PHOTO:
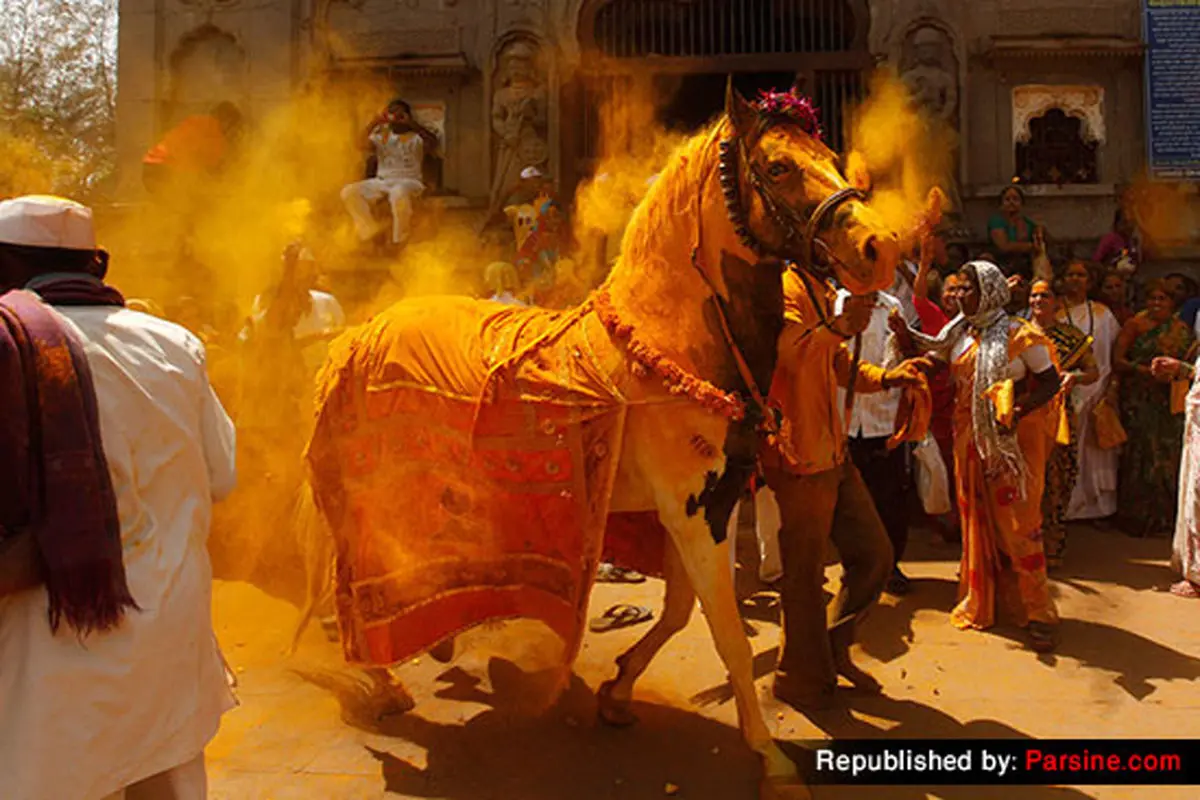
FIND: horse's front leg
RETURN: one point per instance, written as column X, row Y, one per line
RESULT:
column 707, row 566
column 678, row 600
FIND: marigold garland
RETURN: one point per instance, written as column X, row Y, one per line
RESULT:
column 648, row 359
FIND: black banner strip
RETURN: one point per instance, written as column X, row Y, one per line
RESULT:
column 1020, row 762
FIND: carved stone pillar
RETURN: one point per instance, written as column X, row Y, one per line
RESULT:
column 519, row 114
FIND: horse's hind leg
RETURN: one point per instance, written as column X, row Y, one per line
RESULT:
column 678, row 601
column 707, row 566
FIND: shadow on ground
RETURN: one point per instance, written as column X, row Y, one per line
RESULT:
column 1136, row 659
column 503, row 753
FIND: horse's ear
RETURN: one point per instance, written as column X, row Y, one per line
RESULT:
column 740, row 112
column 856, row 171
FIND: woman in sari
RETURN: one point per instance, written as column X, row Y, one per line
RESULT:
column 1114, row 292
column 1150, row 460
column 1073, row 348
column 1004, row 423
column 1185, row 550
column 1095, row 494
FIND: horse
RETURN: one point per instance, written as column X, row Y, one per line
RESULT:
column 517, row 434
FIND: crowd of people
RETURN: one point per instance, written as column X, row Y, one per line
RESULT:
column 1043, row 394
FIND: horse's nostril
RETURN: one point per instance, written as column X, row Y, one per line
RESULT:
column 869, row 250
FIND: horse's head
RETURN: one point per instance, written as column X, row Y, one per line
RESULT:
column 789, row 199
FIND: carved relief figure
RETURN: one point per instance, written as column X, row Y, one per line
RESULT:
column 931, row 72
column 930, row 69
column 519, row 116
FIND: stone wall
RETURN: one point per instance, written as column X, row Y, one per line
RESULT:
column 1071, row 49
column 496, row 68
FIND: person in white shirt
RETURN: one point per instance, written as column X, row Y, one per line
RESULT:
column 400, row 145
column 314, row 317
column 872, row 421
column 124, row 708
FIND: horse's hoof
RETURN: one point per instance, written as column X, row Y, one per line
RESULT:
column 611, row 711
column 392, row 706
column 787, row 788
column 390, row 700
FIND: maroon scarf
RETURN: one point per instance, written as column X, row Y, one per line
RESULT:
column 54, row 478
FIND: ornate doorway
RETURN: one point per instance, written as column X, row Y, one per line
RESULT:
column 680, row 52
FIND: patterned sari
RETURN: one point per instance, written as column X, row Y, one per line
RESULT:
column 1074, row 350
column 1149, row 475
column 1004, row 564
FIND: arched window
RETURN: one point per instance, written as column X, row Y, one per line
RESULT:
column 207, row 67
column 1057, row 151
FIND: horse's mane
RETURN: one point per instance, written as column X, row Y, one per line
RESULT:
column 672, row 196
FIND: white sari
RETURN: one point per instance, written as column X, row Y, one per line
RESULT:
column 1185, row 552
column 1095, row 494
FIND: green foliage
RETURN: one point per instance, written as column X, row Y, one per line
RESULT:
column 58, row 96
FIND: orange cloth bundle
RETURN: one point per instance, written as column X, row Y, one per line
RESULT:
column 1002, row 395
column 913, row 416
column 1063, row 434
column 1179, row 393
column 1110, row 432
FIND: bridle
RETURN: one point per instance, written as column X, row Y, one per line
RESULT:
column 801, row 236
column 797, row 231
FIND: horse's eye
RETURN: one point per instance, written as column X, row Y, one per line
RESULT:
column 778, row 169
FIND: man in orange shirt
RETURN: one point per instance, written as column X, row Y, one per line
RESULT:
column 820, row 492
column 191, row 154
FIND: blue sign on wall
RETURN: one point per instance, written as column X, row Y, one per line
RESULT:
column 1172, row 34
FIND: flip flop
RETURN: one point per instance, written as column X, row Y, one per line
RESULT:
column 621, row 615
column 1185, row 589
column 610, row 573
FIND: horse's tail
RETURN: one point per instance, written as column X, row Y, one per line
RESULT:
column 316, row 545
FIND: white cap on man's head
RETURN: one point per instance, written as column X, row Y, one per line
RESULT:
column 46, row 221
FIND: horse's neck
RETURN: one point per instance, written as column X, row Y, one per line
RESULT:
column 659, row 289
column 669, row 298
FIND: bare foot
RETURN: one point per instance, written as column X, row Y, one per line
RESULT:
column 1185, row 588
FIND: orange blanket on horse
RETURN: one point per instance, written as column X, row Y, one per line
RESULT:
column 464, row 457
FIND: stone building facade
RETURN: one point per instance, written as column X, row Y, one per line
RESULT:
column 1050, row 91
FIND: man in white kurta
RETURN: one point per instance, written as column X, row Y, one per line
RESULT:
column 399, row 144
column 85, row 720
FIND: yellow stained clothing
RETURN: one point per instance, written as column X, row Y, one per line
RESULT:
column 1002, row 532
column 811, row 356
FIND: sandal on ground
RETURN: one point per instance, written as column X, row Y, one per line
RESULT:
column 1043, row 637
column 1185, row 588
column 621, row 615
column 610, row 573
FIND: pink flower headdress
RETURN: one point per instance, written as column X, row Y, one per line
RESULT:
column 792, row 107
